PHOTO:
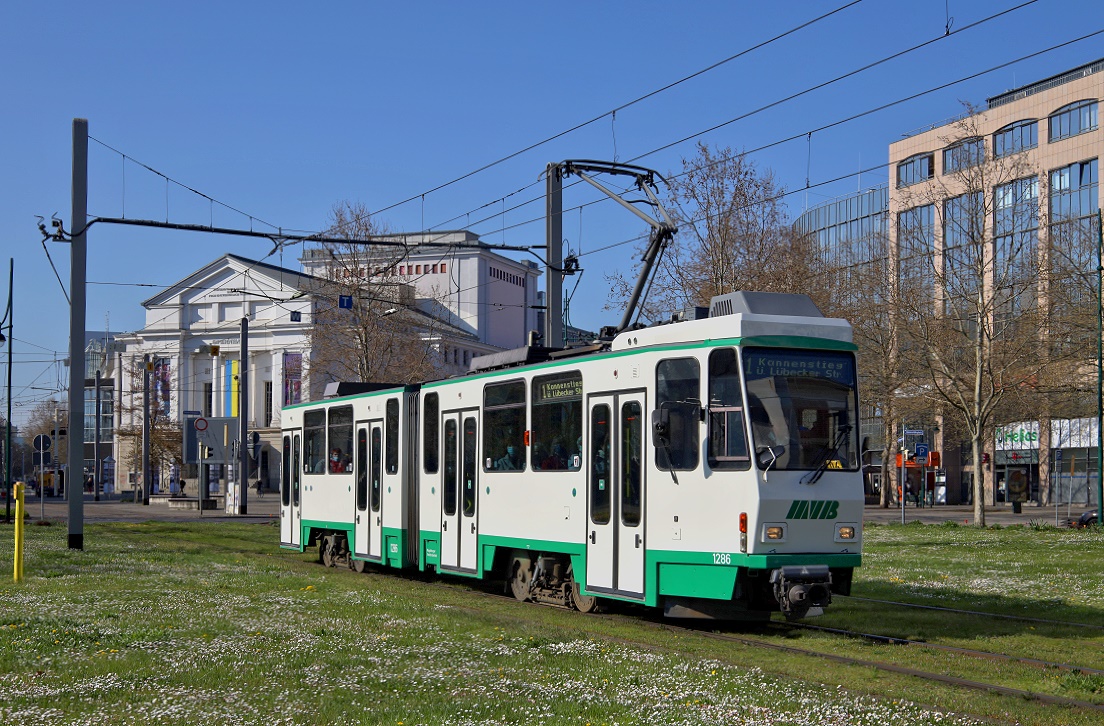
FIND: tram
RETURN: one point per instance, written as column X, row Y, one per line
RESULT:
column 708, row 466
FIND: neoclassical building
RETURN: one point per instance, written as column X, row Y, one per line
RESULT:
column 191, row 341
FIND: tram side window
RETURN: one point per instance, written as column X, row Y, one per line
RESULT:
column 431, row 427
column 295, row 472
column 728, row 448
column 678, row 391
column 362, row 470
column 376, row 487
column 392, row 443
column 557, row 415
column 468, row 498
column 285, row 480
column 504, row 426
column 600, row 483
column 341, row 440
column 452, row 471
column 314, row 436
column 630, row 452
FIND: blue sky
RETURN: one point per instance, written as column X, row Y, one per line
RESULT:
column 283, row 109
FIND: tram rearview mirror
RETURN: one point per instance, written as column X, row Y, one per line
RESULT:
column 661, row 426
column 678, row 414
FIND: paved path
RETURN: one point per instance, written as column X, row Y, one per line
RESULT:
column 1001, row 514
column 268, row 508
column 112, row 510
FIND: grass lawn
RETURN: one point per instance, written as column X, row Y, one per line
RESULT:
column 211, row 623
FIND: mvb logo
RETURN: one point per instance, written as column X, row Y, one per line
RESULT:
column 813, row 509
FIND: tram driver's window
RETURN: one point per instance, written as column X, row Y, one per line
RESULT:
column 728, row 448
column 678, row 391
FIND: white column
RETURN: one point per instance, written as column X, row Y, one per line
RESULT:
column 277, row 386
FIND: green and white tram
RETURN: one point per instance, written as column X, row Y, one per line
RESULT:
column 709, row 467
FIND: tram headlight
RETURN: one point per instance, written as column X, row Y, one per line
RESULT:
column 743, row 531
column 774, row 532
column 845, row 532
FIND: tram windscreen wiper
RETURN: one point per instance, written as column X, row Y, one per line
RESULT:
column 827, row 455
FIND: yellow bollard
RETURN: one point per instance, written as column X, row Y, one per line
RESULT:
column 19, row 531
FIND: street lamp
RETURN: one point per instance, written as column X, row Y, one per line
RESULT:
column 8, row 316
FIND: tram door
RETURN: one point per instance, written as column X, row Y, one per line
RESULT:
column 367, row 534
column 459, row 489
column 290, row 514
column 615, row 494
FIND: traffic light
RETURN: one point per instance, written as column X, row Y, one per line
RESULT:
column 205, row 451
column 985, row 458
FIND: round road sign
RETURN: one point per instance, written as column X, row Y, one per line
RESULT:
column 200, row 424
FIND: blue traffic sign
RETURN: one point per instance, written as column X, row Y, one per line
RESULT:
column 345, row 301
column 922, row 451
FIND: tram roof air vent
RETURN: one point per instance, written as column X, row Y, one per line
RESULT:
column 764, row 303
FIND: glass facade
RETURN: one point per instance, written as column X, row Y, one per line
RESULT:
column 107, row 411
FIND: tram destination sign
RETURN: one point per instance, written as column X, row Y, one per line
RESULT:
column 798, row 364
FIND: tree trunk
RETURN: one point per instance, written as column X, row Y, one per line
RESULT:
column 979, row 482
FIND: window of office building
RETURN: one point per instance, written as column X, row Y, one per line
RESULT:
column 1016, row 137
column 964, row 246
column 1016, row 233
column 1073, row 191
column 1071, row 120
column 915, row 243
column 1073, row 204
column 915, row 169
column 963, row 155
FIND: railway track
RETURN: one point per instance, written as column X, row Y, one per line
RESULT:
column 1001, row 616
column 965, row 683
column 980, row 654
column 772, row 644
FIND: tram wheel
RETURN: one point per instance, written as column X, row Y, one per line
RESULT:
column 520, row 575
column 358, row 565
column 583, row 603
column 329, row 551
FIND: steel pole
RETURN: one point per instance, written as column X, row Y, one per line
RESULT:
column 553, row 275
column 96, row 471
column 1099, row 369
column 146, row 365
column 243, row 420
column 78, row 255
column 901, row 489
column 7, row 435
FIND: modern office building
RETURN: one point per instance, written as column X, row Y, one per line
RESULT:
column 1022, row 172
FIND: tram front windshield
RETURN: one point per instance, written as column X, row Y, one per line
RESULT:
column 802, row 408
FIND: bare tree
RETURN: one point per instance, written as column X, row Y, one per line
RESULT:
column 384, row 337
column 166, row 440
column 733, row 235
